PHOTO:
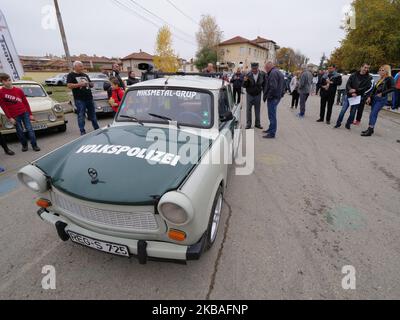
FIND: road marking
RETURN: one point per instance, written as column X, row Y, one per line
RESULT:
column 28, row 266
column 7, row 185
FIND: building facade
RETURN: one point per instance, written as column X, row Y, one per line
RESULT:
column 131, row 62
column 241, row 52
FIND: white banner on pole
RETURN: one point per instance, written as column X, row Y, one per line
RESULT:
column 9, row 59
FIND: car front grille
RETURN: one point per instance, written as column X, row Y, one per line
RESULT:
column 140, row 221
column 41, row 116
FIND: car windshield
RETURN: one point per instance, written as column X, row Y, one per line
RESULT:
column 97, row 75
column 32, row 91
column 187, row 107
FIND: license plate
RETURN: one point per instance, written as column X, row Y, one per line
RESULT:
column 39, row 126
column 99, row 245
column 107, row 109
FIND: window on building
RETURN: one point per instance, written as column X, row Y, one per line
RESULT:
column 242, row 51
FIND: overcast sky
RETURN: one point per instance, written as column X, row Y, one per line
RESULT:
column 103, row 27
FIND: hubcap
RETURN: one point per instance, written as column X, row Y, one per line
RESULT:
column 216, row 218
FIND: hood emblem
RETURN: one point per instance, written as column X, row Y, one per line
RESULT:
column 94, row 175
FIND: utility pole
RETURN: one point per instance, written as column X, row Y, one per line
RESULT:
column 63, row 36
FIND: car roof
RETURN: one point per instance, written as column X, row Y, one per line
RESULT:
column 194, row 82
column 99, row 79
column 25, row 82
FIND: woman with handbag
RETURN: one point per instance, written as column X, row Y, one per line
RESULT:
column 379, row 97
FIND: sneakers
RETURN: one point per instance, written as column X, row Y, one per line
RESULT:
column 356, row 123
column 328, row 122
column 348, row 126
column 301, row 116
column 36, row 148
column 24, row 148
column 337, row 126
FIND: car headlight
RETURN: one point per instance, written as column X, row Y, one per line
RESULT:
column 98, row 107
column 176, row 208
column 33, row 178
column 58, row 108
column 52, row 118
column 8, row 125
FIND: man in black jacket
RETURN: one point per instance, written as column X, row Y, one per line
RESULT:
column 359, row 84
column 237, row 83
column 329, row 86
column 274, row 90
column 254, row 84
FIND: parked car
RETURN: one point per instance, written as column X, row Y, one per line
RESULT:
column 132, row 189
column 47, row 112
column 97, row 75
column 100, row 97
column 58, row 80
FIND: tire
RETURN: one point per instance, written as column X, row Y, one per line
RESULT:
column 62, row 128
column 215, row 220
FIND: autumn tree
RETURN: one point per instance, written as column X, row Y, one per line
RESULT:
column 165, row 59
column 208, row 38
column 290, row 60
column 373, row 37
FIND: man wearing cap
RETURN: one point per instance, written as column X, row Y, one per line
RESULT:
column 254, row 84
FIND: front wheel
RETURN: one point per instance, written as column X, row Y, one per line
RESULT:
column 215, row 219
column 62, row 128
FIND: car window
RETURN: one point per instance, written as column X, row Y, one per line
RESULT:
column 223, row 102
column 189, row 107
column 98, row 85
column 32, row 91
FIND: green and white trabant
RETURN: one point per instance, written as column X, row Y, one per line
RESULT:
column 151, row 184
column 47, row 112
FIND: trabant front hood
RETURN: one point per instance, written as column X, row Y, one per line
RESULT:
column 112, row 165
column 39, row 104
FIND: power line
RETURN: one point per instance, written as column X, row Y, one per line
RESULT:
column 126, row 7
column 161, row 19
column 183, row 13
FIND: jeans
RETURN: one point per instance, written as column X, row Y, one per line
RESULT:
column 377, row 105
column 396, row 95
column 303, row 100
column 272, row 105
column 82, row 107
column 256, row 102
column 21, row 122
column 345, row 107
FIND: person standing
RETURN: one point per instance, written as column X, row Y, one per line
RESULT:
column 237, row 84
column 81, row 85
column 329, row 86
column 131, row 79
column 18, row 111
column 397, row 91
column 379, row 97
column 305, row 85
column 342, row 89
column 209, row 69
column 5, row 147
column 358, row 84
column 254, row 84
column 320, row 76
column 116, row 95
column 116, row 69
column 294, row 89
column 274, row 90
column 314, row 84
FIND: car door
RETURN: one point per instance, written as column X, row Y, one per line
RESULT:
column 227, row 128
column 236, row 125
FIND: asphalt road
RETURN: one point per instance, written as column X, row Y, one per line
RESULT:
column 319, row 199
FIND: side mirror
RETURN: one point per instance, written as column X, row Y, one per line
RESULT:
column 49, row 93
column 227, row 116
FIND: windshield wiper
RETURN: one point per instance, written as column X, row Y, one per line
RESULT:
column 170, row 121
column 133, row 119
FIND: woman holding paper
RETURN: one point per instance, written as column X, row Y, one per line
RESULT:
column 379, row 97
